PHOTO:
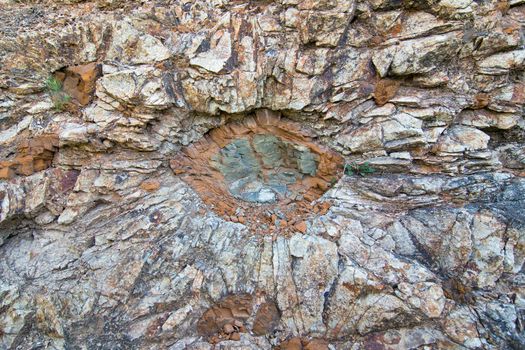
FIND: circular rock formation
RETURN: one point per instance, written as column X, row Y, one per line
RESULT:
column 103, row 246
column 262, row 159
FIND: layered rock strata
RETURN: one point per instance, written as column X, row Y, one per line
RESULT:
column 171, row 174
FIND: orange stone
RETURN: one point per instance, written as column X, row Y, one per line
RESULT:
column 24, row 165
column 316, row 344
column 235, row 336
column 79, row 82
column 150, row 185
column 41, row 164
column 292, row 344
column 301, row 227
column 6, row 173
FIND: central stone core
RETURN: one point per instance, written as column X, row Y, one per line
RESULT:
column 262, row 169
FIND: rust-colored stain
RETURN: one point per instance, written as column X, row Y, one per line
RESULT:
column 33, row 155
column 233, row 310
column 79, row 81
column 385, row 90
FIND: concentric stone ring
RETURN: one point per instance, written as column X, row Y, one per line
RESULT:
column 262, row 159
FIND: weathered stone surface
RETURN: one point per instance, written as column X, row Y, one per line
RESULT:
column 266, row 319
column 385, row 90
column 130, row 46
column 231, row 311
column 324, row 22
column 461, row 138
column 419, row 56
column 502, row 62
column 487, row 119
column 215, row 59
column 366, row 138
column 131, row 87
column 79, row 82
column 33, row 155
column 191, row 193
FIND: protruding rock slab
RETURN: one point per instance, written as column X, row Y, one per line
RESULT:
column 79, row 81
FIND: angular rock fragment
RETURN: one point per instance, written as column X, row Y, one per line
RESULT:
column 79, row 81
column 462, row 138
column 502, row 63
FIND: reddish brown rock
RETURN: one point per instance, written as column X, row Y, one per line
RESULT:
column 235, row 336
column 24, row 165
column 6, row 172
column 225, row 313
column 503, row 6
column 150, row 185
column 385, row 90
column 301, row 227
column 228, row 328
column 267, row 319
column 79, row 82
column 316, row 344
column 456, row 290
column 33, row 155
column 292, row 344
column 481, row 101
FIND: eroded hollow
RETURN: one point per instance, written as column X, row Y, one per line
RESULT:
column 260, row 166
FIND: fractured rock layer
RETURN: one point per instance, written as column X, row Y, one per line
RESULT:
column 139, row 162
column 33, row 155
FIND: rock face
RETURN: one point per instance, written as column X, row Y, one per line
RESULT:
column 260, row 160
column 172, row 174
